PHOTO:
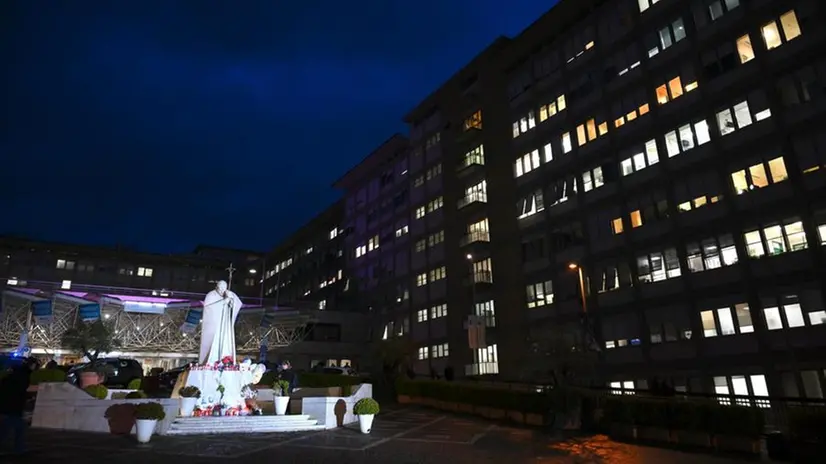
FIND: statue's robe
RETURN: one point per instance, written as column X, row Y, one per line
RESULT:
column 218, row 327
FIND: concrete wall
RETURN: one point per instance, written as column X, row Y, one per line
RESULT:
column 61, row 406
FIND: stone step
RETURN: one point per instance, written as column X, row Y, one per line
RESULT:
column 244, row 419
column 242, row 424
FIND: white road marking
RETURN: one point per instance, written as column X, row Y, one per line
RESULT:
column 400, row 434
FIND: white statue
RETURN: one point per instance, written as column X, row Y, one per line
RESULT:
column 221, row 307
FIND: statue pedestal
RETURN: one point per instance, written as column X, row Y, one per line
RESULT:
column 207, row 380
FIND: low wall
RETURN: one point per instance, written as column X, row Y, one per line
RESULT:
column 482, row 411
column 335, row 411
column 61, row 406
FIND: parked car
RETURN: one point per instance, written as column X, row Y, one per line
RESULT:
column 117, row 372
column 168, row 378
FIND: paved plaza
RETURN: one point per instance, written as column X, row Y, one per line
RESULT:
column 399, row 436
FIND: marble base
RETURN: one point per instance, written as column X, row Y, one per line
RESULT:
column 332, row 411
column 208, row 381
column 246, row 424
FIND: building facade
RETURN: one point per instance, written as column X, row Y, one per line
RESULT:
column 31, row 263
column 639, row 179
column 308, row 271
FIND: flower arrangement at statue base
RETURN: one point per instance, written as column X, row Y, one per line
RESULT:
column 225, row 364
column 218, row 411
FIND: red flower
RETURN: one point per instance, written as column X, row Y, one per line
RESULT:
column 226, row 360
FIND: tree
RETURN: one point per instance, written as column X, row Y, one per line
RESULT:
column 91, row 339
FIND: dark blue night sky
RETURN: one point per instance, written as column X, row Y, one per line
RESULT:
column 164, row 124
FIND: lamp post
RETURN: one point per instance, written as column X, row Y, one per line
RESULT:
column 578, row 268
column 469, row 258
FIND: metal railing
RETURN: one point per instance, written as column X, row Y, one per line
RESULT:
column 475, row 236
column 481, row 197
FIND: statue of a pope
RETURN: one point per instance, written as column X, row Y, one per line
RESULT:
column 221, row 307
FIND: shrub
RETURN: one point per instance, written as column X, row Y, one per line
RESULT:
column 366, row 406
column 47, row 375
column 134, row 384
column 523, row 401
column 149, row 411
column 97, row 391
column 136, row 395
column 808, row 424
column 190, row 391
column 312, row 380
column 736, row 421
column 281, row 388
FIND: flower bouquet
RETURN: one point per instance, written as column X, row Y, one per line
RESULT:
column 250, row 394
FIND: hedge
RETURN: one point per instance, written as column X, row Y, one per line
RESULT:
column 677, row 414
column 512, row 400
column 312, row 380
column 47, row 375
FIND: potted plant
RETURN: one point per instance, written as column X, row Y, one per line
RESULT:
column 90, row 339
column 121, row 418
column 281, row 396
column 97, row 391
column 147, row 416
column 136, row 395
column 134, row 384
column 189, row 397
column 366, row 409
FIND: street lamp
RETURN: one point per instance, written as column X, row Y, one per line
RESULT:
column 578, row 268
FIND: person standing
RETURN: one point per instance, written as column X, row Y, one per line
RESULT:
column 288, row 374
column 13, row 392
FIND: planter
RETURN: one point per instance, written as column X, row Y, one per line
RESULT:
column 623, row 432
column 692, row 438
column 89, row 378
column 281, row 404
column 366, row 422
column 145, row 429
column 655, row 434
column 187, row 406
column 404, row 399
column 747, row 445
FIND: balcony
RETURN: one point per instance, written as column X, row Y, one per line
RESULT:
column 471, row 162
column 475, row 197
column 480, row 277
column 475, row 236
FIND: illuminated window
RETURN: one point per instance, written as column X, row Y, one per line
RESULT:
column 530, row 205
column 551, row 109
column 474, row 121
column 420, row 245
column 420, row 212
column 666, row 37
column 64, row 264
column 540, row 294
column 776, row 239
column 616, row 226
column 435, row 204
column 421, row 280
column 566, row 142
column 590, row 131
column 686, row 138
column 649, row 156
column 658, row 266
column 592, row 179
column 435, row 239
column 646, row 4
column 739, row 116
column 711, row 253
column 437, row 274
column 524, row 124
column 759, row 176
column 438, row 311
column 373, row 243
column 421, row 315
column 145, row 272
column 527, row 163
column 790, row 28
column 744, row 49
column 636, row 219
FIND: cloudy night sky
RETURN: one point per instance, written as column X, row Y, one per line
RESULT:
column 164, row 124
